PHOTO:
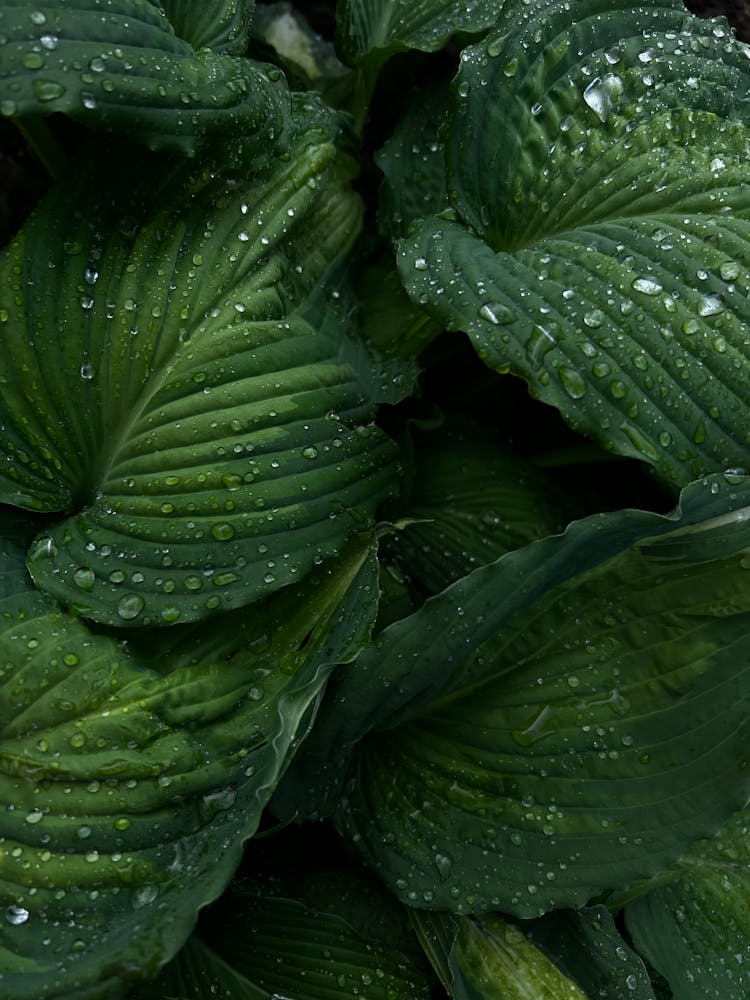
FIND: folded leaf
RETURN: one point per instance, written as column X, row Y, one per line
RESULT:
column 565, row 720
column 176, row 371
column 264, row 940
column 381, row 27
column 133, row 782
column 695, row 927
column 602, row 248
column 119, row 66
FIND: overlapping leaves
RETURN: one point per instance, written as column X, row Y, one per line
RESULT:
column 120, row 66
column 602, row 248
column 694, row 927
column 560, row 722
column 177, row 375
column 133, row 778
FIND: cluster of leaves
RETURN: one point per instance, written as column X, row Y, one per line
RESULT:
column 308, row 611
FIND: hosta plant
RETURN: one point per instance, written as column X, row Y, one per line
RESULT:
column 333, row 662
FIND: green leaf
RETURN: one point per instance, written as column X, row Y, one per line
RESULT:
column 413, row 161
column 493, row 960
column 179, row 378
column 380, row 27
column 565, row 720
column 587, row 946
column 263, row 939
column 471, row 502
column 120, row 66
column 695, row 927
column 602, row 244
column 133, row 782
column 223, row 26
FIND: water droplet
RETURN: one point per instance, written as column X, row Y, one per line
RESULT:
column 595, row 318
column 710, row 305
column 443, row 864
column 130, row 606
column 86, row 371
column 647, row 286
column 222, row 532
column 729, row 270
column 7, row 108
column 310, row 452
column 602, row 94
column 37, row 17
column 420, row 264
column 573, row 382
column 48, row 90
column 496, row 313
column 35, row 816
column 32, row 60
column 511, row 67
column 16, row 915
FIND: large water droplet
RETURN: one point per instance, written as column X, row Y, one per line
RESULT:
column 495, row 313
column 647, row 286
column 573, row 382
column 602, row 94
column 130, row 606
column 16, row 915
column 710, row 305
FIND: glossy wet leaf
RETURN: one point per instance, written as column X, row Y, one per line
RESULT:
column 380, row 27
column 133, row 781
column 223, row 26
column 120, row 66
column 179, row 381
column 565, row 720
column 695, row 927
column 601, row 246
column 315, row 941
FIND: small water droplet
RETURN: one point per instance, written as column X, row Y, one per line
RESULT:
column 86, row 371
column 16, row 915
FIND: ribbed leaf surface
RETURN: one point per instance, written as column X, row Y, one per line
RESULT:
column 132, row 781
column 368, row 26
column 174, row 370
column 261, row 941
column 695, row 928
column 564, row 720
column 602, row 248
column 223, row 26
column 118, row 65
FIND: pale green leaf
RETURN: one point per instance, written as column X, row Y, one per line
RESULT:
column 120, row 66
column 133, row 782
column 601, row 248
column 178, row 377
column 695, row 927
column 561, row 722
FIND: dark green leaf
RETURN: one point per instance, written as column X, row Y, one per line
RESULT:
column 132, row 784
column 587, row 946
column 222, row 25
column 565, row 720
column 598, row 172
column 119, row 66
column 177, row 373
column 413, row 161
column 471, row 502
column 695, row 928
column 380, row 27
column 320, row 942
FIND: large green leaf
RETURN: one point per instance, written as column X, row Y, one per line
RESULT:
column 326, row 940
column 601, row 241
column 695, row 927
column 132, row 782
column 565, row 720
column 379, row 27
column 119, row 66
column 178, row 377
